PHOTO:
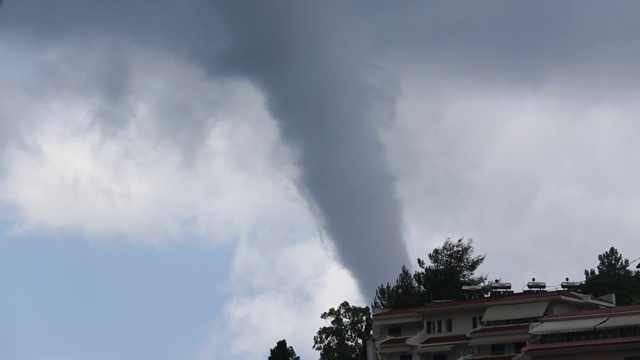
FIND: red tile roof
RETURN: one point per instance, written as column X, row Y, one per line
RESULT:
column 483, row 330
column 394, row 340
column 395, row 312
column 581, row 344
column 611, row 310
column 496, row 299
column 445, row 339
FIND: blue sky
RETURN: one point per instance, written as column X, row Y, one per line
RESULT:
column 66, row 298
column 199, row 179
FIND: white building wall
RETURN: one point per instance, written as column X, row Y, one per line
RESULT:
column 381, row 332
column 461, row 322
column 559, row 308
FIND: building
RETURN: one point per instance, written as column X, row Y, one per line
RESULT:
column 609, row 333
column 495, row 327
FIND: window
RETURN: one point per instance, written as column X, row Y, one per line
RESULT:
column 429, row 326
column 439, row 326
column 519, row 345
column 394, row 331
column 474, row 322
column 497, row 349
column 449, row 325
column 405, row 357
column 440, row 357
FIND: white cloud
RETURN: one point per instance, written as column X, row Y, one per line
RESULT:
column 542, row 179
column 77, row 173
column 172, row 156
column 181, row 158
column 278, row 291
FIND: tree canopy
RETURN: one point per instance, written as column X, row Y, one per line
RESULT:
column 450, row 267
column 283, row 352
column 611, row 263
column 613, row 276
column 347, row 334
column 404, row 294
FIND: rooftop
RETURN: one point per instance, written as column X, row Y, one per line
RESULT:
column 492, row 329
column 582, row 344
column 395, row 340
column 445, row 339
column 484, row 300
column 602, row 311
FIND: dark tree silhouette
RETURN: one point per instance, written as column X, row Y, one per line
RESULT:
column 283, row 352
column 613, row 276
column 347, row 334
column 450, row 267
column 404, row 294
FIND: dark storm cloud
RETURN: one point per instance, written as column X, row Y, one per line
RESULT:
column 177, row 26
column 312, row 62
column 519, row 41
column 300, row 57
column 92, row 47
column 307, row 61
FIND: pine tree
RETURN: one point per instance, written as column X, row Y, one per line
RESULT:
column 613, row 276
column 450, row 267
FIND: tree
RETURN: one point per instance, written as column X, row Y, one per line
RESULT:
column 450, row 267
column 612, row 263
column 347, row 334
column 613, row 276
column 404, row 294
column 283, row 352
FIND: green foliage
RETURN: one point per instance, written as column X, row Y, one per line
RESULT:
column 404, row 294
column 613, row 276
column 611, row 263
column 283, row 352
column 347, row 334
column 450, row 267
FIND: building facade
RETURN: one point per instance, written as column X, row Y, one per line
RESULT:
column 610, row 333
column 495, row 327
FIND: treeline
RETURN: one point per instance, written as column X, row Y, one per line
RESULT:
column 449, row 268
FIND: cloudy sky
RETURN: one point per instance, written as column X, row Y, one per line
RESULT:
column 198, row 179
